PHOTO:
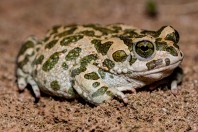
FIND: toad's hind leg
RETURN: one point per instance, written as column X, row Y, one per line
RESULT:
column 35, row 87
column 90, row 86
column 24, row 65
column 23, row 79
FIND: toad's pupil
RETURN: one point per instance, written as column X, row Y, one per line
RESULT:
column 144, row 48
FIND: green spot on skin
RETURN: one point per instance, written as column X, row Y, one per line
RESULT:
column 87, row 59
column 151, row 65
column 101, row 73
column 64, row 66
column 39, row 60
column 160, row 31
column 96, row 84
column 67, row 32
column 54, row 85
column 46, row 39
column 51, row 62
column 96, row 41
column 108, row 63
column 55, row 29
column 109, row 93
column 102, row 48
column 158, row 39
column 132, row 60
column 71, row 92
column 92, row 76
column 158, row 62
column 97, row 44
column 95, row 64
column 161, row 45
column 146, row 32
column 154, row 63
column 51, row 44
column 23, row 62
column 172, row 50
column 174, row 36
column 167, row 61
column 35, row 72
column 116, row 28
column 73, row 54
column 175, row 45
column 119, row 56
column 127, row 41
column 88, row 33
column 100, row 92
column 111, row 76
column 37, row 49
column 103, row 30
column 70, row 39
column 63, row 51
column 25, row 46
column 77, row 71
column 130, row 33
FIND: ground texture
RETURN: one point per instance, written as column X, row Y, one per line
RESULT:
column 158, row 110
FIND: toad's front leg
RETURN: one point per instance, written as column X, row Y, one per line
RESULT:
column 90, row 86
column 171, row 81
column 176, row 78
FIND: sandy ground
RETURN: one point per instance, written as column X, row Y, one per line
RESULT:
column 158, row 110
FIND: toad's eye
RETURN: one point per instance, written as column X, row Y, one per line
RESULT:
column 144, row 49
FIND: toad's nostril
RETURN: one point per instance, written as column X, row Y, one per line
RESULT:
column 181, row 53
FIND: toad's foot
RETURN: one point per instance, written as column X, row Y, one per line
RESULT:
column 177, row 78
column 24, row 79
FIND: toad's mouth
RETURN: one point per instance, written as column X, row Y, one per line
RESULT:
column 159, row 69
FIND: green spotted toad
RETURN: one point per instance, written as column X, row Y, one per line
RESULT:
column 99, row 62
